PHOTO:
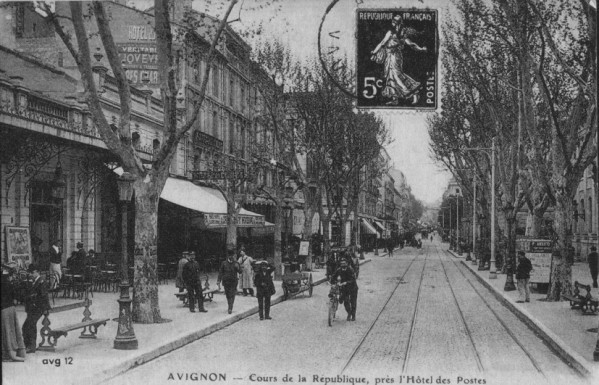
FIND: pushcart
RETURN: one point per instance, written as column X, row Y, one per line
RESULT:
column 295, row 283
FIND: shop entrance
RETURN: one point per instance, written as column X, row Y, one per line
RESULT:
column 46, row 221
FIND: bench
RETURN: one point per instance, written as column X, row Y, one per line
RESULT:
column 207, row 293
column 586, row 303
column 90, row 327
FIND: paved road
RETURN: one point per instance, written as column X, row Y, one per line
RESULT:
column 420, row 314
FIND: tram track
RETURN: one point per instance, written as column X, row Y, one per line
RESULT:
column 466, row 324
column 376, row 319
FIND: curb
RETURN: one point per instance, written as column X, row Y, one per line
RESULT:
column 573, row 359
column 107, row 374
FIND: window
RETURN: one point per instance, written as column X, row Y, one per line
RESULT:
column 215, row 80
column 590, row 216
column 231, row 136
column 242, row 142
column 231, row 91
column 215, row 124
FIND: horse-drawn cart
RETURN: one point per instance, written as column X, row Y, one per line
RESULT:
column 295, row 283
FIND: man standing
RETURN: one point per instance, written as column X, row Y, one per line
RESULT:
column 593, row 261
column 36, row 305
column 179, row 283
column 193, row 283
column 264, row 289
column 523, row 276
column 227, row 274
column 247, row 272
column 55, row 261
column 349, row 291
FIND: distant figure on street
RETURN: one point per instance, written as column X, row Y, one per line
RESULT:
column 247, row 272
column 523, row 276
column 36, row 305
column 227, row 274
column 193, row 284
column 390, row 248
column 593, row 261
column 13, row 346
column 179, row 282
column 349, row 291
column 55, row 263
column 265, row 288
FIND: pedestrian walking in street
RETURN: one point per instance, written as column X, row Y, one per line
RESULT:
column 36, row 305
column 193, row 284
column 179, row 282
column 331, row 264
column 13, row 346
column 593, row 262
column 247, row 272
column 227, row 274
column 390, row 248
column 349, row 290
column 523, row 276
column 265, row 288
column 55, row 264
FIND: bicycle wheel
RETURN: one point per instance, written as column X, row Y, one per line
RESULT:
column 332, row 310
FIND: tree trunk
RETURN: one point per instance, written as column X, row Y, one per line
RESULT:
column 307, row 233
column 145, row 284
column 278, row 258
column 562, row 258
column 509, row 260
column 231, row 223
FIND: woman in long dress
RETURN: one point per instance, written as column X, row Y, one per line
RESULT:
column 13, row 346
column 247, row 273
column 398, row 85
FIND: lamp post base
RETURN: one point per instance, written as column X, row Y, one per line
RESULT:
column 492, row 275
column 125, row 337
column 468, row 256
column 509, row 282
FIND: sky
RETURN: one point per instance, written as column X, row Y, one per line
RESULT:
column 295, row 23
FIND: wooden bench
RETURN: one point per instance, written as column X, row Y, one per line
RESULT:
column 586, row 303
column 207, row 293
column 89, row 326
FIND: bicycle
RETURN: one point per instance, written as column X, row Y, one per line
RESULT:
column 334, row 294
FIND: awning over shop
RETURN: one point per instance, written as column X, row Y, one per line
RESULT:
column 379, row 225
column 367, row 227
column 207, row 201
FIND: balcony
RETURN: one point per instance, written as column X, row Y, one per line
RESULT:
column 202, row 139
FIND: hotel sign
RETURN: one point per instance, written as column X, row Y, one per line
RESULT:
column 220, row 220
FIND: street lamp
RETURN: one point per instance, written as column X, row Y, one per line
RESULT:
column 491, row 153
column 125, row 337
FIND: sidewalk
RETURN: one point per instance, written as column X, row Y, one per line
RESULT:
column 564, row 329
column 85, row 361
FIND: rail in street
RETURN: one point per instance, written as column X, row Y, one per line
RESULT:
column 422, row 318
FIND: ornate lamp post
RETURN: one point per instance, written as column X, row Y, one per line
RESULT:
column 125, row 337
column 58, row 183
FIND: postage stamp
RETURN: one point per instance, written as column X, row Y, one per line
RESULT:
column 397, row 58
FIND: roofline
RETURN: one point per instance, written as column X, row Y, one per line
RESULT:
column 37, row 62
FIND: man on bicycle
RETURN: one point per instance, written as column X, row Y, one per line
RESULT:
column 349, row 288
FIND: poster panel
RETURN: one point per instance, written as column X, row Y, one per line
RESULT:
column 18, row 245
column 538, row 250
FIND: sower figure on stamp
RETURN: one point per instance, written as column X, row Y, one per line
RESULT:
column 265, row 288
column 36, row 305
column 349, row 291
column 193, row 283
column 389, row 52
column 227, row 274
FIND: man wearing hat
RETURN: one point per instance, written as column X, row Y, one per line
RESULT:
column 76, row 261
column 264, row 288
column 349, row 291
column 228, row 275
column 179, row 283
column 55, row 263
column 593, row 260
column 36, row 305
column 193, row 283
column 523, row 276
